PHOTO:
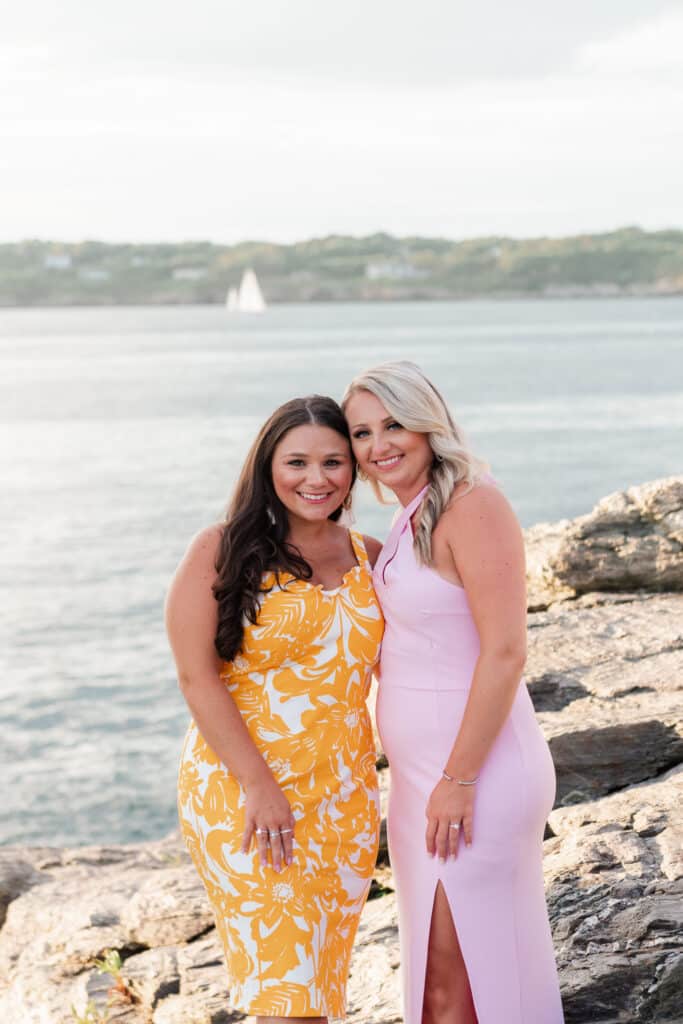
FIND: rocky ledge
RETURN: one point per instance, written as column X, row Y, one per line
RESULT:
column 605, row 673
column 632, row 540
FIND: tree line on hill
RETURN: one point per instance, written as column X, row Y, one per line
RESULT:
column 340, row 268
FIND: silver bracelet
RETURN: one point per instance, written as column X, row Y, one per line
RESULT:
column 460, row 782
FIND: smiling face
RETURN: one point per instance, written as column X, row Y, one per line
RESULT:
column 385, row 450
column 312, row 471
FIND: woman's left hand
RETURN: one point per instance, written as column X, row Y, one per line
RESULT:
column 448, row 806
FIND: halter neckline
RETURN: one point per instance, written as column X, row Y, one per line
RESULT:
column 390, row 548
column 412, row 505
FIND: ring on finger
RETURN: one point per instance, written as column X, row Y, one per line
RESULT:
column 283, row 830
column 455, row 825
column 276, row 833
column 261, row 832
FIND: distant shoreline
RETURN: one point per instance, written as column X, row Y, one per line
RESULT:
column 629, row 263
column 520, row 297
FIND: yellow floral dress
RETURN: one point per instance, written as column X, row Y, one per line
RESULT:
column 301, row 683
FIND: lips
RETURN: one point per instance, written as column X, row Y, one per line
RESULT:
column 315, row 499
column 389, row 462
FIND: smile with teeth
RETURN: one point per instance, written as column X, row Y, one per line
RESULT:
column 313, row 497
column 388, row 462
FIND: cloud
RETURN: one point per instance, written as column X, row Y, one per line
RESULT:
column 107, row 143
column 396, row 43
column 654, row 47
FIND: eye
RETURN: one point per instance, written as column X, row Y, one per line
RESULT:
column 358, row 434
column 394, row 426
column 295, row 462
column 333, row 462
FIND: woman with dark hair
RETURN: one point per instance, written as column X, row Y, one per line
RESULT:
column 472, row 779
column 275, row 628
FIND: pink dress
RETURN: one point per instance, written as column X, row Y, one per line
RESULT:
column 495, row 887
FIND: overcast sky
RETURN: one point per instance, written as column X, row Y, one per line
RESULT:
column 156, row 120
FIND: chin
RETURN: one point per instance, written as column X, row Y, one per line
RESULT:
column 395, row 477
column 311, row 512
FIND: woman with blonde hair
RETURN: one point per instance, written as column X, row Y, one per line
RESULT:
column 455, row 719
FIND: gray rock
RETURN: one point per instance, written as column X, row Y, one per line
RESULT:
column 165, row 910
column 154, row 975
column 202, row 996
column 77, row 908
column 632, row 540
column 614, row 877
column 605, row 646
column 598, row 748
column 374, row 994
column 606, row 677
column 16, row 878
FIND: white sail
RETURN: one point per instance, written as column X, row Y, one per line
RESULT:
column 232, row 301
column 250, row 295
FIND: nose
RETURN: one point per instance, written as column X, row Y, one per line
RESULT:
column 315, row 475
column 380, row 446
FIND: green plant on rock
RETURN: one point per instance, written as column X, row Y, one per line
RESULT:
column 122, row 990
column 110, row 963
column 90, row 1015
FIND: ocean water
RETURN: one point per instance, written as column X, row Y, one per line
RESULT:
column 122, row 434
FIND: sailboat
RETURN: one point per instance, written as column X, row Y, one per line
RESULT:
column 248, row 298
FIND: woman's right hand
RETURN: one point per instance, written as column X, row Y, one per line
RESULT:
column 269, row 818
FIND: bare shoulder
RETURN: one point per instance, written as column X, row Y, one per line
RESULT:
column 373, row 548
column 200, row 557
column 483, row 507
column 486, row 543
column 191, row 611
column 205, row 543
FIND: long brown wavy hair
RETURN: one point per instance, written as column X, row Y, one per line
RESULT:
column 256, row 523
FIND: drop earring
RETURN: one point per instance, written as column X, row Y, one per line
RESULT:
column 347, row 514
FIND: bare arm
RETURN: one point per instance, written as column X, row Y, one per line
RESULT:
column 488, row 551
column 191, row 619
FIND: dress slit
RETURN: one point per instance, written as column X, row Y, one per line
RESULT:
column 419, row 955
column 420, row 997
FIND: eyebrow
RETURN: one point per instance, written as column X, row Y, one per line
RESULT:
column 387, row 419
column 305, row 455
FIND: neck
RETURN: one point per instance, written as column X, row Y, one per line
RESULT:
column 406, row 494
column 304, row 534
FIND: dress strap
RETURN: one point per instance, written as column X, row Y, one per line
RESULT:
column 411, row 506
column 358, row 545
column 388, row 552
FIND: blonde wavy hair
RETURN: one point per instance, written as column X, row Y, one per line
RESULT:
column 417, row 405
